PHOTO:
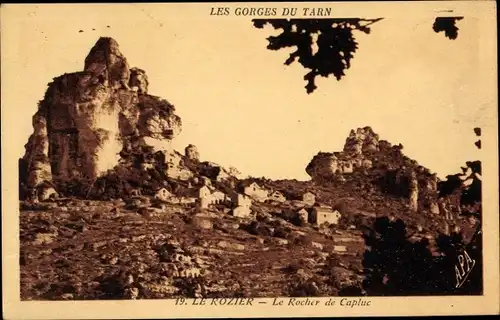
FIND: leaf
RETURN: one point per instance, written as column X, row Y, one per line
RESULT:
column 447, row 24
column 478, row 144
column 333, row 37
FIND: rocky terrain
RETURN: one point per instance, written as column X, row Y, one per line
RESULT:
column 108, row 210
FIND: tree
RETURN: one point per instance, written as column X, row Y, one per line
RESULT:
column 334, row 39
column 448, row 25
column 394, row 265
column 470, row 188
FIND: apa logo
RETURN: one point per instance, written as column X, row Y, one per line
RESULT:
column 463, row 268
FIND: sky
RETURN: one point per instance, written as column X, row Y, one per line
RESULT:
column 242, row 107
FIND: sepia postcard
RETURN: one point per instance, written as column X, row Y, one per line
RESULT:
column 215, row 160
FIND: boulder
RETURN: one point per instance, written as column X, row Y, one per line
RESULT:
column 163, row 195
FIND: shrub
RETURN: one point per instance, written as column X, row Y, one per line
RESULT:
column 341, row 206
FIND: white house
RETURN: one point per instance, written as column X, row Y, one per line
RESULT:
column 208, row 195
column 321, row 215
column 241, row 200
column 277, row 196
column 242, row 212
column 256, row 192
column 204, row 192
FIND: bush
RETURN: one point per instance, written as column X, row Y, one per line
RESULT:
column 341, row 206
column 301, row 240
column 258, row 229
column 396, row 266
column 281, row 232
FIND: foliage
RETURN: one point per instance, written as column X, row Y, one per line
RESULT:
column 471, row 195
column 333, row 37
column 448, row 25
column 341, row 206
column 396, row 266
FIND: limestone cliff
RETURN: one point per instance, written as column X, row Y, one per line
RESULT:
column 88, row 118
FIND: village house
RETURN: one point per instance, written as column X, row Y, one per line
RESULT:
column 242, row 204
column 241, row 200
column 204, row 203
column 208, row 195
column 255, row 192
column 204, row 197
column 242, row 212
column 277, row 196
column 309, row 198
column 218, row 197
column 322, row 214
column 204, row 192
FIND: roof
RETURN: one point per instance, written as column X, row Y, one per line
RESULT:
column 250, row 184
column 205, row 187
column 245, row 183
column 325, row 209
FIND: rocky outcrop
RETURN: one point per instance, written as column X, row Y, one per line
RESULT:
column 88, row 118
column 357, row 152
column 377, row 159
column 38, row 162
column 138, row 80
column 413, row 191
column 361, row 141
column 191, row 152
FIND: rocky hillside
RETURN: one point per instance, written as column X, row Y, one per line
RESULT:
column 110, row 211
